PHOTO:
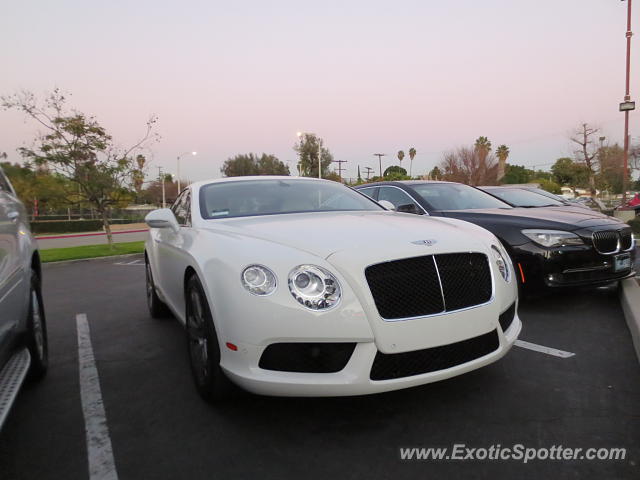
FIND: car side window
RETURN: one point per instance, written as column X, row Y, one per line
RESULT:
column 4, row 184
column 369, row 192
column 181, row 209
column 399, row 198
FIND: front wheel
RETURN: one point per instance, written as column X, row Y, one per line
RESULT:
column 36, row 340
column 203, row 346
column 157, row 308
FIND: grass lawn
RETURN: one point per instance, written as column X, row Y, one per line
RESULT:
column 90, row 251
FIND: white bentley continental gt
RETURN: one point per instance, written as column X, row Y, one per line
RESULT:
column 304, row 287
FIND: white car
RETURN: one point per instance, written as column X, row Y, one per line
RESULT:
column 304, row 287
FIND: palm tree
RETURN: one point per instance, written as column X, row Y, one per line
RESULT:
column 482, row 148
column 483, row 144
column 400, row 156
column 412, row 154
column 502, row 152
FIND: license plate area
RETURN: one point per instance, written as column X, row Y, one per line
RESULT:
column 622, row 262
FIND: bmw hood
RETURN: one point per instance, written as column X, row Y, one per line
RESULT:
column 542, row 217
column 387, row 234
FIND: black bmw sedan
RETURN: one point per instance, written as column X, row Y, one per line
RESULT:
column 549, row 247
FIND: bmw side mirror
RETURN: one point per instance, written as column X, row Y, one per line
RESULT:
column 387, row 205
column 409, row 208
column 162, row 218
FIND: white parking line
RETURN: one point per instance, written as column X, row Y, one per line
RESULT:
column 542, row 349
column 135, row 262
column 102, row 465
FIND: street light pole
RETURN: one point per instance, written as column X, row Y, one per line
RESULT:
column 319, row 157
column 380, row 155
column 627, row 106
column 178, row 169
column 161, row 178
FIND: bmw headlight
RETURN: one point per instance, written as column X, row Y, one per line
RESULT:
column 258, row 279
column 553, row 238
column 314, row 287
column 502, row 262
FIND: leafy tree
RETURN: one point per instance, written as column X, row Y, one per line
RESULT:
column 548, row 185
column 611, row 159
column 333, row 176
column 39, row 190
column 563, row 171
column 152, row 194
column 250, row 164
column 541, row 174
column 412, row 155
column 502, row 152
column 270, row 165
column 308, row 148
column 568, row 173
column 400, row 157
column 435, row 173
column 395, row 172
column 517, row 174
column 78, row 148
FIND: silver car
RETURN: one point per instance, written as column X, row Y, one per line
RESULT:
column 23, row 335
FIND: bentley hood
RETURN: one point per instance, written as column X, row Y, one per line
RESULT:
column 365, row 234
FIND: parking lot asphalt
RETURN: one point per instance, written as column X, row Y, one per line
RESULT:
column 161, row 429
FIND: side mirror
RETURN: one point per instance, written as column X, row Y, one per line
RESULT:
column 162, row 218
column 387, row 205
column 409, row 208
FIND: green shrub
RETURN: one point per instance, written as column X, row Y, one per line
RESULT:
column 73, row 226
column 66, row 226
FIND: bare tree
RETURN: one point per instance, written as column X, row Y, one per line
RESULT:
column 77, row 147
column 585, row 137
column 471, row 165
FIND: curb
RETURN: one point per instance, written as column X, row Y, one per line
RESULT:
column 630, row 300
column 78, row 260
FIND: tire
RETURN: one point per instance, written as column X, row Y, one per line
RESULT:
column 203, row 346
column 36, row 338
column 157, row 308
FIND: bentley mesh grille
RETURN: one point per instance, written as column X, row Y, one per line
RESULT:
column 430, row 284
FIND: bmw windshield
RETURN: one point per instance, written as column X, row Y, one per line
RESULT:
column 279, row 196
column 455, row 196
column 519, row 197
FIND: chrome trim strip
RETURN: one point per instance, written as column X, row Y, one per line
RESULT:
column 587, row 269
column 435, row 264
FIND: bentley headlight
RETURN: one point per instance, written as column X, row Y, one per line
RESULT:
column 314, row 287
column 258, row 280
column 502, row 262
column 553, row 238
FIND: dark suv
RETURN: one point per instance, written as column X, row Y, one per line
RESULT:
column 549, row 247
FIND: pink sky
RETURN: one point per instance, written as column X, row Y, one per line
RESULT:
column 368, row 76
